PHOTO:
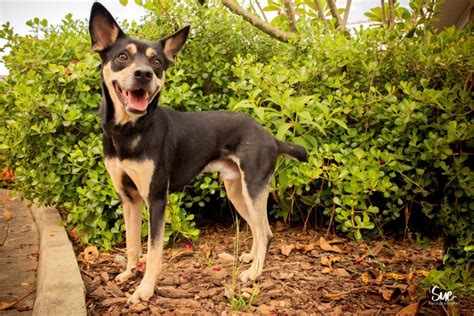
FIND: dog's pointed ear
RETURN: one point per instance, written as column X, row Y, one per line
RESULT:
column 103, row 29
column 173, row 43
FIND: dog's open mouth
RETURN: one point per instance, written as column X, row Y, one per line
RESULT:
column 135, row 101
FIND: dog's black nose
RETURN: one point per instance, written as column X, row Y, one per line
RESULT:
column 143, row 74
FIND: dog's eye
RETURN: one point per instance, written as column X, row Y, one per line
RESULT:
column 122, row 57
column 156, row 62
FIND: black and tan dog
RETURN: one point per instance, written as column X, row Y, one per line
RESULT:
column 151, row 151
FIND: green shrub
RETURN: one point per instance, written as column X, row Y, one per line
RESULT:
column 385, row 114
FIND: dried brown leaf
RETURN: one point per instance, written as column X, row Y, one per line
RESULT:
column 329, row 260
column 379, row 279
column 113, row 301
column 265, row 309
column 7, row 215
column 286, row 249
column 326, row 270
column 104, row 276
column 387, row 294
column 341, row 272
column 327, row 247
column 325, row 261
column 376, row 249
column 365, row 278
column 207, row 250
column 5, row 305
column 395, row 276
column 138, row 307
column 90, row 254
column 304, row 247
column 410, row 310
column 422, row 272
column 412, row 291
column 335, row 295
column 337, row 240
column 226, row 257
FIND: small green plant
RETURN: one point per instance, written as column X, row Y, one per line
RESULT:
column 239, row 300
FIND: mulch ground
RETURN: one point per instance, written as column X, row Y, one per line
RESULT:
column 305, row 273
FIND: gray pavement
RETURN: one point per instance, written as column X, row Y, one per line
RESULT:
column 19, row 253
column 38, row 267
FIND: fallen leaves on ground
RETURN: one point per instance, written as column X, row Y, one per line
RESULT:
column 7, row 215
column 297, row 276
column 286, row 249
column 326, row 246
column 90, row 254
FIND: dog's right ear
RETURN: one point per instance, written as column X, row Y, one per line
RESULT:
column 103, row 29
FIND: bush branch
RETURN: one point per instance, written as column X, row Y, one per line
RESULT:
column 290, row 13
column 257, row 22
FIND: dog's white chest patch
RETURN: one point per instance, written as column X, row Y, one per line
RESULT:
column 140, row 171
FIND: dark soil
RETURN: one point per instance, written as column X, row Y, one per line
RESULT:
column 305, row 273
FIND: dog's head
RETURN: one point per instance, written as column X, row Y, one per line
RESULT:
column 133, row 71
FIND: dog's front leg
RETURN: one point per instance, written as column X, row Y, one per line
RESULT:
column 132, row 211
column 156, row 228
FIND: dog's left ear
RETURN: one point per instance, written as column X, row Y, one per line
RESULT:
column 173, row 43
column 103, row 29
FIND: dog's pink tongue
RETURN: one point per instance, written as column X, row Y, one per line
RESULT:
column 138, row 100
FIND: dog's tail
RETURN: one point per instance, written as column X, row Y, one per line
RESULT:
column 295, row 151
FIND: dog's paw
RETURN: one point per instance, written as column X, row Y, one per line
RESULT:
column 124, row 276
column 142, row 293
column 250, row 274
column 246, row 257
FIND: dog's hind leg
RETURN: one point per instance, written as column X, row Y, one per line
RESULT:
column 233, row 188
column 263, row 235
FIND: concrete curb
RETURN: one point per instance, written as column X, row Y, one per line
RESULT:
column 60, row 289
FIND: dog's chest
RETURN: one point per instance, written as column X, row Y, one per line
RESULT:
column 139, row 171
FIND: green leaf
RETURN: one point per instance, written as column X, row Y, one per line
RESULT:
column 340, row 123
column 282, row 129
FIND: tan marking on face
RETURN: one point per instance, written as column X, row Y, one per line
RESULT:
column 121, row 116
column 132, row 48
column 141, row 173
column 150, row 52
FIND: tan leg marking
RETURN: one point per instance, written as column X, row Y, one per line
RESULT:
column 255, row 214
column 153, row 268
column 132, row 210
column 259, row 218
column 133, row 223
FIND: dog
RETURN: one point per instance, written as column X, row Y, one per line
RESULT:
column 151, row 151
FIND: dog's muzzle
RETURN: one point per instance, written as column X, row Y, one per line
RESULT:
column 136, row 100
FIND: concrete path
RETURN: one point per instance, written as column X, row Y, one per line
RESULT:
column 19, row 253
column 38, row 267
